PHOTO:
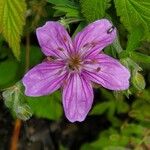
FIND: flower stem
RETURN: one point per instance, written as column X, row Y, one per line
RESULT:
column 16, row 133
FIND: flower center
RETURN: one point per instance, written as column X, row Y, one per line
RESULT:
column 74, row 63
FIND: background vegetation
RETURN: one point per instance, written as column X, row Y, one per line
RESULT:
column 118, row 120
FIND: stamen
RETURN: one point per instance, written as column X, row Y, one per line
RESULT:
column 110, row 30
column 74, row 63
column 71, row 67
column 50, row 58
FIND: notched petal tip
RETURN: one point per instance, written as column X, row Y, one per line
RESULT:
column 76, row 119
column 77, row 98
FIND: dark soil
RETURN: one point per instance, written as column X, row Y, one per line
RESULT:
column 42, row 134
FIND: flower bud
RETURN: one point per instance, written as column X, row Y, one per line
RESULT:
column 138, row 81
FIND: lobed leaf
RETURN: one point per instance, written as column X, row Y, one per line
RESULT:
column 134, row 39
column 59, row 2
column 12, row 19
column 93, row 10
column 69, row 10
column 134, row 13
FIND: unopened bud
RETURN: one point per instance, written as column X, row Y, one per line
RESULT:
column 138, row 81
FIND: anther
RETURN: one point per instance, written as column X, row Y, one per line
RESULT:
column 110, row 30
column 50, row 58
column 71, row 67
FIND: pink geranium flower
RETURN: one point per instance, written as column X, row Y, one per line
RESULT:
column 75, row 65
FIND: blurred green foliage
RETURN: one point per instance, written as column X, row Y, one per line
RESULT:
column 128, row 111
column 46, row 106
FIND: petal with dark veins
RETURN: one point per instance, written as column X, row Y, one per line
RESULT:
column 93, row 38
column 54, row 40
column 77, row 97
column 108, row 72
column 44, row 78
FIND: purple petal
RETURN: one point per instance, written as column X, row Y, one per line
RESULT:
column 95, row 37
column 108, row 72
column 54, row 40
column 77, row 97
column 44, row 78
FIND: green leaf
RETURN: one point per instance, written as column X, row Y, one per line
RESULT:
column 107, row 94
column 100, row 108
column 12, row 19
column 110, row 138
column 122, row 107
column 69, row 10
column 145, row 95
column 15, row 100
column 134, row 39
column 115, row 147
column 59, row 2
column 132, row 129
column 134, row 13
column 139, row 57
column 88, row 146
column 46, row 106
column 140, row 110
column 93, row 10
column 8, row 72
